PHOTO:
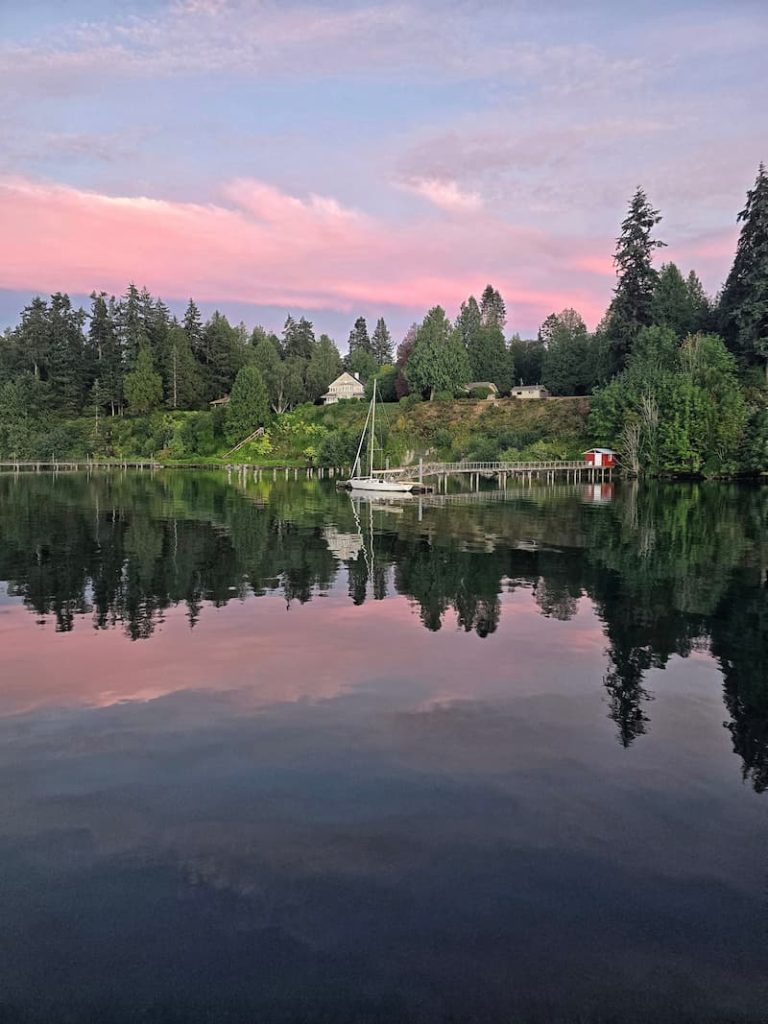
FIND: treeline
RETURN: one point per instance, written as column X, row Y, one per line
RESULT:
column 131, row 355
column 680, row 377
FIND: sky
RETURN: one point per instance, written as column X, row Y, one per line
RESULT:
column 350, row 158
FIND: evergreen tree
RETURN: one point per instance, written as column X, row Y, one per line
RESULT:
column 34, row 338
column 158, row 322
column 362, row 363
column 547, row 329
column 566, row 365
column 386, row 381
column 19, row 405
column 223, row 354
column 67, row 368
column 106, row 356
column 324, row 366
column 193, row 325
column 99, row 401
column 358, row 338
column 259, row 334
column 131, row 314
column 298, row 338
column 283, row 378
column 743, row 310
column 270, row 365
column 469, row 321
column 248, row 406
column 489, row 359
column 438, row 361
column 632, row 305
column 183, row 384
column 381, row 343
column 292, row 381
column 701, row 307
column 143, row 386
column 678, row 303
column 404, row 351
column 492, row 308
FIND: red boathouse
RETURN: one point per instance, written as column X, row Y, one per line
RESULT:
column 604, row 457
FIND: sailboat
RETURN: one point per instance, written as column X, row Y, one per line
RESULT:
column 373, row 481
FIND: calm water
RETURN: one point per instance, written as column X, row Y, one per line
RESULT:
column 266, row 755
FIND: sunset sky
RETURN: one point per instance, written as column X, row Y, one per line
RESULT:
column 345, row 158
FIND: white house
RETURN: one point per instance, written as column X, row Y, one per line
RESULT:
column 345, row 386
column 529, row 391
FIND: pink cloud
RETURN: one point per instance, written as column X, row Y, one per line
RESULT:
column 263, row 246
column 445, row 194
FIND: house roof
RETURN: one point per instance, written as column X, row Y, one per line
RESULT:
column 529, row 387
column 346, row 377
column 481, row 384
column 599, row 451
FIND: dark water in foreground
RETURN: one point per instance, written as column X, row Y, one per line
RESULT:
column 266, row 756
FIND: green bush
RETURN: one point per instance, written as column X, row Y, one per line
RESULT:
column 338, row 448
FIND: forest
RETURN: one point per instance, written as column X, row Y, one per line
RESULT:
column 675, row 379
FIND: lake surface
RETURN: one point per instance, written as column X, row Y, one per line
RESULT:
column 267, row 754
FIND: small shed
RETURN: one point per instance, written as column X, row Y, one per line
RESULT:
column 605, row 457
column 530, row 391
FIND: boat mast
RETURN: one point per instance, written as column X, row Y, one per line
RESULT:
column 358, row 464
column 373, row 426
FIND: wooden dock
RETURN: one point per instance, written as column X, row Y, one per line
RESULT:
column 575, row 471
column 71, row 465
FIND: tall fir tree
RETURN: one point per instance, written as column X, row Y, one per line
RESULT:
column 267, row 359
column 181, row 373
column 404, row 352
column 248, row 406
column 132, row 327
column 259, row 334
column 493, row 308
column 143, row 385
column 469, row 321
column 381, row 343
column 106, row 353
column 34, row 338
column 701, row 304
column 632, row 305
column 193, row 325
column 298, row 337
column 489, row 359
column 676, row 303
column 223, row 355
column 358, row 337
column 743, row 308
column 438, row 361
column 566, row 364
column 67, row 369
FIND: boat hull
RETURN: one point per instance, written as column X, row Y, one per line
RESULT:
column 379, row 486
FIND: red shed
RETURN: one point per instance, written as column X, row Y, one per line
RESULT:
column 600, row 457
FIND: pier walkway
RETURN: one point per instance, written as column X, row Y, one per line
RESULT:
column 570, row 471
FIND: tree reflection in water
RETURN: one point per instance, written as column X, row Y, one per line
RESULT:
column 668, row 568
